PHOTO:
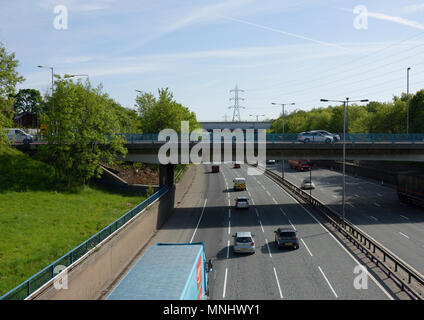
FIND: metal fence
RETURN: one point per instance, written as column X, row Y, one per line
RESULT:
column 32, row 284
column 287, row 137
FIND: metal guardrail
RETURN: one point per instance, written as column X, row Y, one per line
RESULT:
column 371, row 138
column 32, row 284
column 364, row 242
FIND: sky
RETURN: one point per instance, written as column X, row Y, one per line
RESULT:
column 274, row 50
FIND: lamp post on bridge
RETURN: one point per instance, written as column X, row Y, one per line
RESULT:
column 282, row 117
column 345, row 105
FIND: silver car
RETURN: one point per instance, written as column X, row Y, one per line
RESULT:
column 244, row 242
column 307, row 137
column 326, row 133
column 18, row 135
column 307, row 184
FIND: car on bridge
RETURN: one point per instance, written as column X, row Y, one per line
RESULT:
column 239, row 184
column 215, row 168
column 18, row 135
column 244, row 242
column 309, row 136
column 242, row 202
column 286, row 237
column 326, row 133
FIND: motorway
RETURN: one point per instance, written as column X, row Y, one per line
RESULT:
column 320, row 269
column 373, row 207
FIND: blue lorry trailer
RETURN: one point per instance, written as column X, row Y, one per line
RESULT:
column 166, row 271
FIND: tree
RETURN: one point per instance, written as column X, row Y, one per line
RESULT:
column 9, row 78
column 28, row 100
column 163, row 112
column 81, row 132
column 416, row 113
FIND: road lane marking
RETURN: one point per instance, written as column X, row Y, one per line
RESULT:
column 275, row 201
column 269, row 251
column 379, row 194
column 267, row 192
column 306, row 247
column 278, row 283
column 263, row 187
column 356, row 195
column 283, row 212
column 375, row 203
column 253, row 202
column 328, row 282
column 198, row 222
column 257, row 212
column 338, row 242
column 404, row 217
column 261, row 226
column 350, row 204
column 228, row 249
column 404, row 235
column 292, row 225
column 372, row 217
column 225, row 283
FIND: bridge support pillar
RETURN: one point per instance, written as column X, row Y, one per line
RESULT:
column 166, row 175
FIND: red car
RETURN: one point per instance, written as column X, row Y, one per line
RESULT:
column 237, row 165
column 215, row 168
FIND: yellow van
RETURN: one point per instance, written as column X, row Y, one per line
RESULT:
column 239, row 184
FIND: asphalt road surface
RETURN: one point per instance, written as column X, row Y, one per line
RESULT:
column 373, row 207
column 320, row 269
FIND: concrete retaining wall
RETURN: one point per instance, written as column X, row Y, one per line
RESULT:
column 101, row 266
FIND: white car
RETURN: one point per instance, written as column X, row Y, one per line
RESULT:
column 307, row 184
column 270, row 161
column 244, row 242
column 18, row 135
column 308, row 136
column 326, row 133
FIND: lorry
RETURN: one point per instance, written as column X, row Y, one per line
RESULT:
column 301, row 165
column 410, row 187
column 167, row 271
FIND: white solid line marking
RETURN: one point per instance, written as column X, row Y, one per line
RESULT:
column 225, row 283
column 229, row 226
column 338, row 242
column 267, row 192
column 283, row 212
column 198, row 222
column 292, row 225
column 404, row 217
column 275, row 201
column 253, row 202
column 257, row 212
column 372, row 217
column 375, row 203
column 261, row 226
column 269, row 251
column 306, row 247
column 229, row 202
column 278, row 283
column 404, row 235
column 228, row 249
column 328, row 282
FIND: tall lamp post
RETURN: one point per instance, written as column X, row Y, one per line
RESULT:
column 282, row 116
column 345, row 104
column 407, row 100
column 51, row 68
column 257, row 117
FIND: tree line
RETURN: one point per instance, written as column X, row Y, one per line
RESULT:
column 375, row 117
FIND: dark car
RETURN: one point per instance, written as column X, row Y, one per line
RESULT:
column 237, row 165
column 215, row 168
column 286, row 237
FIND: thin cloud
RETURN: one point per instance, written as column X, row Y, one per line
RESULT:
column 286, row 33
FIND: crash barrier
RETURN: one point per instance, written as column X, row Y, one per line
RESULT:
column 412, row 282
column 32, row 284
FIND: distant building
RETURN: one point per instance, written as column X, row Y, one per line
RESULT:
column 210, row 125
column 26, row 120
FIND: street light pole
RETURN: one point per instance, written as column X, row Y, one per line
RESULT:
column 407, row 100
column 282, row 117
column 51, row 68
column 345, row 105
